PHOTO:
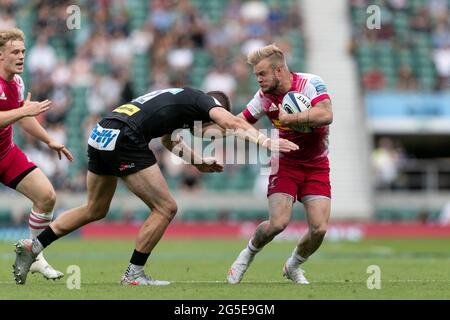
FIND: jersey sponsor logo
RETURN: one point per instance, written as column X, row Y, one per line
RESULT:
column 319, row 85
column 278, row 125
column 103, row 139
column 128, row 109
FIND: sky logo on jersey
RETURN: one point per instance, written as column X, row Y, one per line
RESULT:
column 128, row 109
column 319, row 85
column 103, row 139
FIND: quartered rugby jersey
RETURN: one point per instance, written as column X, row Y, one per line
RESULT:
column 313, row 143
column 11, row 97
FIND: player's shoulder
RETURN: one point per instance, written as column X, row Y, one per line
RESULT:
column 259, row 95
column 312, row 82
column 191, row 90
column 18, row 81
column 308, row 76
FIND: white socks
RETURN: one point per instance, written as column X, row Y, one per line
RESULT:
column 252, row 248
column 37, row 222
column 249, row 251
column 295, row 259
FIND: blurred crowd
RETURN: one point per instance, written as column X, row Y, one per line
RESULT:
column 101, row 57
column 403, row 24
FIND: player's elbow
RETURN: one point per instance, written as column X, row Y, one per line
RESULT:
column 328, row 119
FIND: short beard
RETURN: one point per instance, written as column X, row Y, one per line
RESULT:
column 272, row 89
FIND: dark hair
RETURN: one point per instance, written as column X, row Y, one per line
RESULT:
column 222, row 97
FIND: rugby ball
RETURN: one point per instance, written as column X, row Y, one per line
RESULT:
column 294, row 102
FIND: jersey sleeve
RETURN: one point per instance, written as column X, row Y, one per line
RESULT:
column 316, row 90
column 206, row 103
column 254, row 110
column 20, row 88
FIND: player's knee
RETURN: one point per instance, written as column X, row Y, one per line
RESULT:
column 319, row 231
column 46, row 201
column 169, row 209
column 96, row 211
column 279, row 226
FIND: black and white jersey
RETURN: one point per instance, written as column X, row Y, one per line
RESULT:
column 161, row 112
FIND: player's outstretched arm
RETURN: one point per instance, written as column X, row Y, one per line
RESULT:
column 32, row 126
column 29, row 109
column 219, row 132
column 246, row 131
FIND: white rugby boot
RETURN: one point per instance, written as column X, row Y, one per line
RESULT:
column 296, row 275
column 43, row 267
column 239, row 266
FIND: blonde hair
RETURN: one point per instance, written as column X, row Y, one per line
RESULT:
column 271, row 52
column 7, row 35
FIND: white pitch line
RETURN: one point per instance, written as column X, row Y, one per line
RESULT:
column 319, row 282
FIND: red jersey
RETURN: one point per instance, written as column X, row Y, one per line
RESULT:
column 313, row 146
column 11, row 97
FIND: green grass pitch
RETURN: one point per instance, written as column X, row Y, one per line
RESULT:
column 410, row 269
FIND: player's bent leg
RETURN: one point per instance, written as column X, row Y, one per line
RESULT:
column 100, row 192
column 36, row 186
column 280, row 208
column 151, row 187
column 317, row 215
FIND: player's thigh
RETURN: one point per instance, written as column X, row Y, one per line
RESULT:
column 100, row 189
column 151, row 187
column 280, row 207
column 36, row 186
column 318, row 212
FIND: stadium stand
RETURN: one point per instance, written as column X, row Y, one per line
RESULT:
column 407, row 55
column 124, row 49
